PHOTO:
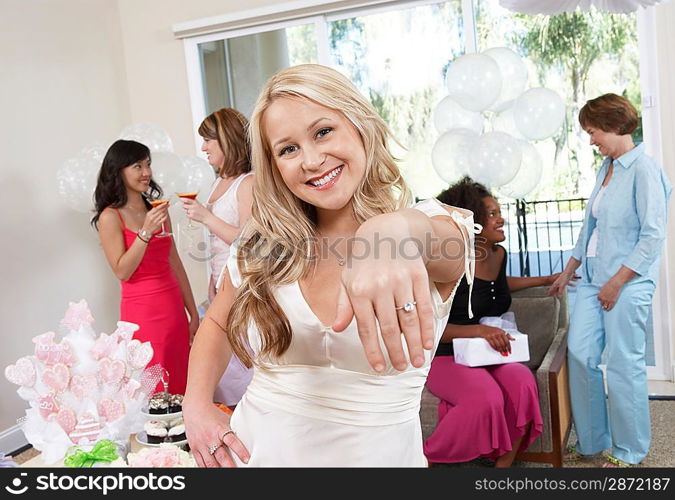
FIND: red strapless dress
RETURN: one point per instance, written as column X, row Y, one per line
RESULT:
column 152, row 299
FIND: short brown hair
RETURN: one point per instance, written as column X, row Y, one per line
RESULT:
column 230, row 128
column 609, row 113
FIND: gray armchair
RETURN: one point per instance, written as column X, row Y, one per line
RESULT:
column 545, row 320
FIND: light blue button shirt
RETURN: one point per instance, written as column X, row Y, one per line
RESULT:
column 631, row 218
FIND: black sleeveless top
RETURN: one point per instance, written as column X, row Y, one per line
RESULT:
column 489, row 298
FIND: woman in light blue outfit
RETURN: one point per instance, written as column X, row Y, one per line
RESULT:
column 618, row 254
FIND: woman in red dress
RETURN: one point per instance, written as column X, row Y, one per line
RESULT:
column 156, row 293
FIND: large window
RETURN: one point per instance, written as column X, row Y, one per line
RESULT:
column 397, row 54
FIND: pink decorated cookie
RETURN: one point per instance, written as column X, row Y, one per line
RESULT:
column 110, row 410
column 56, row 377
column 87, row 428
column 21, row 373
column 139, row 354
column 83, row 386
column 104, row 346
column 65, row 417
column 125, row 330
column 50, row 353
column 111, row 372
column 77, row 314
column 48, row 406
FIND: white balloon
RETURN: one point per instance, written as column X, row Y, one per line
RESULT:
column 514, row 76
column 474, row 81
column 539, row 113
column 196, row 175
column 506, row 122
column 76, row 178
column 450, row 154
column 153, row 136
column 449, row 114
column 166, row 171
column 495, row 159
column 529, row 174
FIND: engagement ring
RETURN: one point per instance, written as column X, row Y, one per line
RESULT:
column 407, row 307
column 213, row 448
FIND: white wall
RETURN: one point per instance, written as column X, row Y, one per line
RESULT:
column 63, row 87
column 75, row 72
column 665, row 38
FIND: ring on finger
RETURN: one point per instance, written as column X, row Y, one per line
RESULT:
column 407, row 307
column 226, row 433
column 213, row 448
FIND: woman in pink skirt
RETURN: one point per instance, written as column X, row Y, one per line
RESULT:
column 488, row 411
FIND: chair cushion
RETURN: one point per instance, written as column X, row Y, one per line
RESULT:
column 538, row 318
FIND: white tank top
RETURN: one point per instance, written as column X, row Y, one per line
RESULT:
column 225, row 208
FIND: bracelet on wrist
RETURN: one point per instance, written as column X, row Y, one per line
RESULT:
column 142, row 239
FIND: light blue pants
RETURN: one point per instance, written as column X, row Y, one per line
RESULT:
column 623, row 422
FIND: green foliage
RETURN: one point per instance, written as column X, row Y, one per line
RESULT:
column 573, row 41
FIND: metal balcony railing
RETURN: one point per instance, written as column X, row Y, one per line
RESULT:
column 540, row 235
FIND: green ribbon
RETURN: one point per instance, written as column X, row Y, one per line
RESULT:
column 104, row 451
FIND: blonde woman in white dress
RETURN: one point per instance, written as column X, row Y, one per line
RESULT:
column 337, row 294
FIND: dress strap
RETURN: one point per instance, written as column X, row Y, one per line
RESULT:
column 120, row 216
column 238, row 181
column 464, row 219
column 231, row 267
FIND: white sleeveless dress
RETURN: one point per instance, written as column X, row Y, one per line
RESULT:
column 236, row 378
column 321, row 404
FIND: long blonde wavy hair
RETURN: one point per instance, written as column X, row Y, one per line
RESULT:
column 277, row 246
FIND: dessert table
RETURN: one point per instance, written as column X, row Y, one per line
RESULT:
column 134, row 447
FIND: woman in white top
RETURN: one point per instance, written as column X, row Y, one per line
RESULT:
column 229, row 202
column 227, row 209
column 335, row 289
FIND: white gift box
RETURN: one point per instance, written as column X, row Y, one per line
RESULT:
column 478, row 352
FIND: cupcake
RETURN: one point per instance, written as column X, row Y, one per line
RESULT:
column 156, row 431
column 176, row 433
column 167, row 455
column 175, row 403
column 159, row 403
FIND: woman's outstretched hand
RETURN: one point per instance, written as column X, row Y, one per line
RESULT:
column 561, row 282
column 211, row 439
column 388, row 286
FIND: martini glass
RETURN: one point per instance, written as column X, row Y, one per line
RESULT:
column 156, row 203
column 190, row 195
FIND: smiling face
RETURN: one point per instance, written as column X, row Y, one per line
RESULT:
column 493, row 225
column 607, row 142
column 317, row 151
column 214, row 153
column 137, row 176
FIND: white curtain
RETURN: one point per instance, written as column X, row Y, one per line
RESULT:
column 558, row 6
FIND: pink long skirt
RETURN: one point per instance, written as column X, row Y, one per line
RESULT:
column 483, row 410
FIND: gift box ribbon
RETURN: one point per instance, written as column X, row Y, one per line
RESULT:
column 104, row 451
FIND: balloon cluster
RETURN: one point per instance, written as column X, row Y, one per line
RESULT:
column 76, row 179
column 490, row 87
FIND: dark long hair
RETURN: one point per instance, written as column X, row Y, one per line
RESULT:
column 110, row 190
